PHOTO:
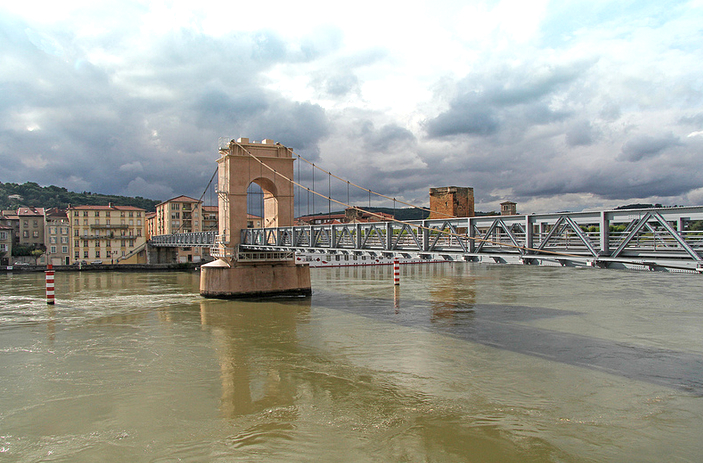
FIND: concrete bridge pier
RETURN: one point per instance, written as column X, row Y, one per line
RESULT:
column 261, row 279
column 240, row 274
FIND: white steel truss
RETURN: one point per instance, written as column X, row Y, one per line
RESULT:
column 652, row 238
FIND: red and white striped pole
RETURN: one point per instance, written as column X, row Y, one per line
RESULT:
column 396, row 271
column 49, row 284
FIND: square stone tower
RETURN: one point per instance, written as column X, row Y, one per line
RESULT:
column 508, row 208
column 451, row 201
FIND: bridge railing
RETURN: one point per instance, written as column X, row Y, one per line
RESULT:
column 595, row 235
column 590, row 234
column 184, row 240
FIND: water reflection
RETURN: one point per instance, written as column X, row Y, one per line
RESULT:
column 251, row 339
column 453, row 299
column 452, row 310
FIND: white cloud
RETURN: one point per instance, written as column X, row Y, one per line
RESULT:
column 563, row 105
column 135, row 167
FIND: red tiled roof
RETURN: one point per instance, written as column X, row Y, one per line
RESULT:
column 30, row 211
column 180, row 199
column 107, row 208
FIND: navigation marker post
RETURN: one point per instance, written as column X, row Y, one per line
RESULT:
column 49, row 284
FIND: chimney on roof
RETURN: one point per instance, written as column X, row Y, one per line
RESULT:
column 110, row 205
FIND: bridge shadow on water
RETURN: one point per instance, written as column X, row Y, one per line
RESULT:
column 499, row 326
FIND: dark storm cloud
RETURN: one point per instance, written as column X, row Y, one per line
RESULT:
column 465, row 117
column 81, row 123
column 299, row 126
column 645, row 146
column 485, row 103
column 579, row 134
column 387, row 137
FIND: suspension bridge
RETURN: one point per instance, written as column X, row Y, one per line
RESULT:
column 650, row 239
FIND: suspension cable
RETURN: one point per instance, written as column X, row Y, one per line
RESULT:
column 393, row 219
column 368, row 190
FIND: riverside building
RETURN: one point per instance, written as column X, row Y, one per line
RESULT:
column 107, row 234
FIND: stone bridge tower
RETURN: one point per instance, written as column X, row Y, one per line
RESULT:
column 269, row 165
column 237, row 169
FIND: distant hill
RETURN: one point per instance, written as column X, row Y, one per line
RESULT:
column 405, row 213
column 639, row 206
column 13, row 195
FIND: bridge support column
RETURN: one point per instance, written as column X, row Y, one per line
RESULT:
column 241, row 274
column 251, row 280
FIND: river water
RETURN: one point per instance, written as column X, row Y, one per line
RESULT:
column 461, row 363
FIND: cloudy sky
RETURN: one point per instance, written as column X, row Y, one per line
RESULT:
column 557, row 105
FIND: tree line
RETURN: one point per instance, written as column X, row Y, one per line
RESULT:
column 33, row 194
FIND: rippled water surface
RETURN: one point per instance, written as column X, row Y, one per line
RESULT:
column 461, row 363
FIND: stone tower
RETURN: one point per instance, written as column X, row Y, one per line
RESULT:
column 451, row 201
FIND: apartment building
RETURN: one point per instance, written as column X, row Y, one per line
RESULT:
column 210, row 218
column 58, row 237
column 107, row 234
column 181, row 214
column 6, row 239
column 31, row 226
column 150, row 225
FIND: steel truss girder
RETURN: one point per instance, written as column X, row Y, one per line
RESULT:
column 446, row 230
column 563, row 223
column 519, row 232
column 637, row 226
column 498, row 223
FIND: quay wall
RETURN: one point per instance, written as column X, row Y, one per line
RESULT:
column 102, row 268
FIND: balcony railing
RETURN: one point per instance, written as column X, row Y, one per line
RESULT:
column 108, row 226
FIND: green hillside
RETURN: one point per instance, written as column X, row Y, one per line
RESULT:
column 35, row 195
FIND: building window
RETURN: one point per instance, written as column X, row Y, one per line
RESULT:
column 75, row 214
column 85, row 213
column 85, row 243
column 97, row 213
column 53, row 249
column 52, row 239
column 107, row 213
column 64, row 249
column 35, row 234
column 97, row 243
column 85, row 254
column 76, row 244
column 97, row 254
column 35, row 223
column 77, row 255
column 3, row 235
column 131, row 214
column 85, row 222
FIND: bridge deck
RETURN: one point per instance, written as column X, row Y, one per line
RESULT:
column 650, row 238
